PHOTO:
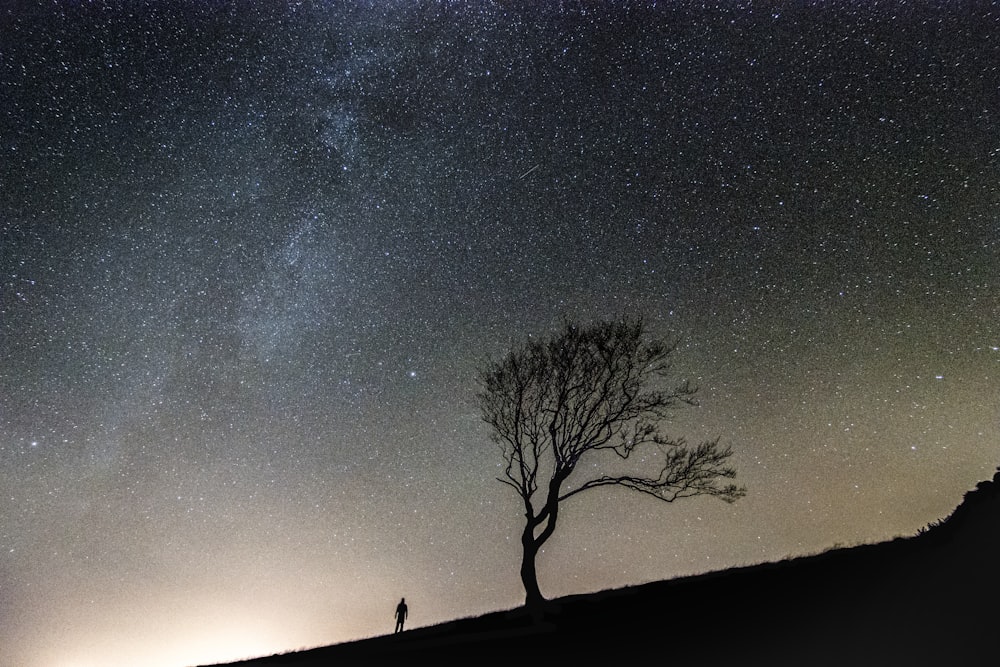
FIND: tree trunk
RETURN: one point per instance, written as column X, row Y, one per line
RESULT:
column 529, row 577
column 531, row 544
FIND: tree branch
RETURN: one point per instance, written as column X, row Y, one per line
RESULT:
column 685, row 473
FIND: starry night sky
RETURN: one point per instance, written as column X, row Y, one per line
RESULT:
column 252, row 254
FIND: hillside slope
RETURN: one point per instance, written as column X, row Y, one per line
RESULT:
column 924, row 600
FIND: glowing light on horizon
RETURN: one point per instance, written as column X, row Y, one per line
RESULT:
column 201, row 638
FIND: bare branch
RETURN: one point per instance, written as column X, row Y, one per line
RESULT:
column 685, row 473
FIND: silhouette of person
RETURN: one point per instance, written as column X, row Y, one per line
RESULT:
column 401, row 612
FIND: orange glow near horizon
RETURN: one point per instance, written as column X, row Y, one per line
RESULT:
column 202, row 637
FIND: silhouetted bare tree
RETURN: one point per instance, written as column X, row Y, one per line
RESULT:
column 594, row 393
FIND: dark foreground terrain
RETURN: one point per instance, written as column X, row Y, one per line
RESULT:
column 925, row 600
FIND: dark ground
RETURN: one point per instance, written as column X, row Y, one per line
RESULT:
column 925, row 600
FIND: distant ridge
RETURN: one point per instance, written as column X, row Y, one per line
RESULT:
column 929, row 599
